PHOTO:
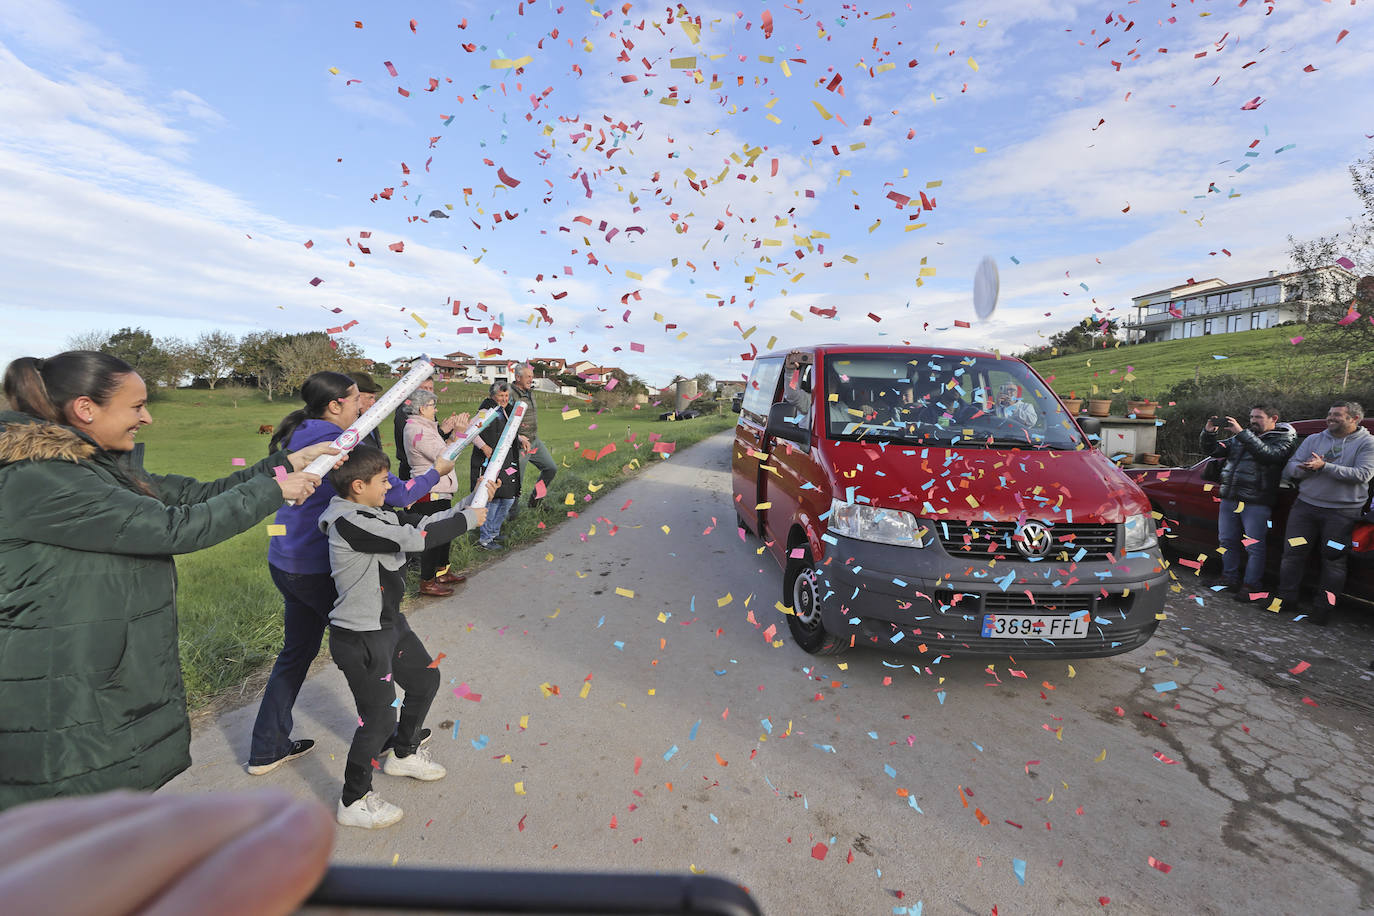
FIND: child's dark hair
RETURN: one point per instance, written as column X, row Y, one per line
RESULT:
column 364, row 463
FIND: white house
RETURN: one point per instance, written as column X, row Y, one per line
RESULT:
column 1216, row 307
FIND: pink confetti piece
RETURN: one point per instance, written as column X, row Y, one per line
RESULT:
column 279, row 472
column 238, row 462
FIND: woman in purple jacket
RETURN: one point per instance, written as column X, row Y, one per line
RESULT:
column 299, row 563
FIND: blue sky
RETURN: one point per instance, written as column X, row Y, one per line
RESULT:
column 164, row 164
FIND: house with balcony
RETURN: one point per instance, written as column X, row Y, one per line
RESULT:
column 1205, row 307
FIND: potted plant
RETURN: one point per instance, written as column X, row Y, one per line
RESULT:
column 1144, row 409
column 1073, row 404
column 1099, row 407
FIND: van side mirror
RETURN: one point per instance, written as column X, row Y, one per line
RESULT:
column 1091, row 426
column 785, row 423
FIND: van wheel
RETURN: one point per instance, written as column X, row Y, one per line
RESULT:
column 802, row 592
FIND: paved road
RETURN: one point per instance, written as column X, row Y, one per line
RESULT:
column 680, row 737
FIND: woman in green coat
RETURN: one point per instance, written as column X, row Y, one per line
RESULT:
column 91, row 697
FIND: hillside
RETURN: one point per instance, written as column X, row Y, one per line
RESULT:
column 1156, row 367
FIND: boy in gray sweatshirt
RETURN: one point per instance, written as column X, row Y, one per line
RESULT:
column 1333, row 469
column 369, row 638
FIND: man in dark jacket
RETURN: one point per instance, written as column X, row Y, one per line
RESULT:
column 368, row 389
column 398, row 425
column 537, row 453
column 1255, row 457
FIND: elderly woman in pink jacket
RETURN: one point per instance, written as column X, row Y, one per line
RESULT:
column 424, row 439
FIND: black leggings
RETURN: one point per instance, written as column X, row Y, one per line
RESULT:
column 434, row 557
column 366, row 658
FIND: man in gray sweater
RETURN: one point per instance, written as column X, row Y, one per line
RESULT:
column 1333, row 469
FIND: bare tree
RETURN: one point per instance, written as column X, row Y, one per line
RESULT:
column 89, row 340
column 301, row 357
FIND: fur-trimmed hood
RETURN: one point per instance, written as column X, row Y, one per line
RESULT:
column 27, row 438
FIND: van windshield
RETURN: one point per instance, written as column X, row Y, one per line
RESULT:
column 935, row 399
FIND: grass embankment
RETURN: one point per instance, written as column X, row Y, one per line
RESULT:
column 230, row 613
column 1157, row 367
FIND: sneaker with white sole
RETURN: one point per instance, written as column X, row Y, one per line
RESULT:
column 298, row 749
column 417, row 766
column 370, row 812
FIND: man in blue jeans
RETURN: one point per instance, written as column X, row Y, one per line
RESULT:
column 537, row 452
column 1333, row 469
column 1255, row 457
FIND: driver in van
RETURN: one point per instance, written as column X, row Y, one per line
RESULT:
column 1010, row 405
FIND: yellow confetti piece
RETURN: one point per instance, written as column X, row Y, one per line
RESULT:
column 586, row 689
column 519, row 788
column 683, row 63
column 633, row 275
column 334, row 70
column 652, row 691
column 569, row 499
column 624, row 592
column 549, row 557
column 843, row 666
column 980, row 149
column 572, row 414
column 276, row 531
column 506, row 758
column 1100, row 757
column 697, row 871
column 971, row 501
column 418, row 320
column 396, row 858
column 593, row 487
column 774, row 118
column 821, row 108
column 722, row 602
column 974, row 64
column 665, row 528
column 525, row 721
column 507, row 64
column 1297, row 542
column 1072, row 673
column 883, row 68
column 764, row 506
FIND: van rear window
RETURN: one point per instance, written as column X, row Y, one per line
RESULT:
column 763, row 385
column 942, row 400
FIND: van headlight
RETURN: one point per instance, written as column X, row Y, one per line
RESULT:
column 1139, row 533
column 871, row 523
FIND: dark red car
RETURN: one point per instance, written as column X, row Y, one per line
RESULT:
column 1189, row 517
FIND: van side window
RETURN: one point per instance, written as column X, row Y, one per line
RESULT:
column 796, row 389
column 763, row 385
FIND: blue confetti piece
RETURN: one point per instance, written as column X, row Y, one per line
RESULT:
column 714, row 819
column 1214, row 356
column 671, row 751
column 767, row 725
column 940, row 694
column 692, row 735
column 601, row 621
column 1015, row 259
column 873, row 735
column 1335, row 545
column 456, row 723
column 898, row 636
column 911, row 800
column 828, row 748
column 1163, row 686
column 480, row 741
column 396, row 704
column 720, row 672
column 889, row 771
column 1018, row 868
column 619, row 644
column 977, row 745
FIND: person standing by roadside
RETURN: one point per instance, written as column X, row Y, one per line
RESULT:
column 537, row 453
column 398, row 426
column 1255, row 457
column 298, row 562
column 508, row 479
column 368, row 389
column 91, row 695
column 1333, row 469
column 425, row 440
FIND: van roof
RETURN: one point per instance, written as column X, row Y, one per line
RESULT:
column 827, row 348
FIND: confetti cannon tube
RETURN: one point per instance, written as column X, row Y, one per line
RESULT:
column 479, row 423
column 498, row 456
column 385, row 405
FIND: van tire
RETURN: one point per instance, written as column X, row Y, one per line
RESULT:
column 801, row 593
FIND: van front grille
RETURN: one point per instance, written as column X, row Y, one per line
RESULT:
column 1096, row 541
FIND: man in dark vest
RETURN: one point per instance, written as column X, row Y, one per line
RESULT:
column 537, row 453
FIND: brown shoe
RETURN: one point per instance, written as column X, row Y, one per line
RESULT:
column 450, row 578
column 435, row 589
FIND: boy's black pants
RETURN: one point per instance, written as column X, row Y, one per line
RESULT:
column 374, row 662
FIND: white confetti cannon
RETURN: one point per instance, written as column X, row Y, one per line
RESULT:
column 498, row 455
column 479, row 423
column 384, row 407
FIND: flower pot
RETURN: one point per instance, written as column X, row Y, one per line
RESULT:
column 1072, row 405
column 1099, row 407
column 1149, row 458
column 1143, row 410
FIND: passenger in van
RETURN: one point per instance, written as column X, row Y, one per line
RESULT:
column 798, row 391
column 1010, row 405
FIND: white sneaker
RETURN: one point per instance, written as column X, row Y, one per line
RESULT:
column 417, row 765
column 370, row 812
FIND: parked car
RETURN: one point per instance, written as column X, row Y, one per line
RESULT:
column 737, row 401
column 1187, row 508
column 940, row 502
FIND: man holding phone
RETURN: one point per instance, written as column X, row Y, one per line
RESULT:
column 1255, row 457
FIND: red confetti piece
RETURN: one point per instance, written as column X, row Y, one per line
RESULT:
column 506, row 179
column 1299, row 668
column 819, row 850
column 1309, row 701
column 390, row 67
column 1155, row 863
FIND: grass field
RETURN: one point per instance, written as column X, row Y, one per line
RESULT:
column 230, row 613
column 1156, row 367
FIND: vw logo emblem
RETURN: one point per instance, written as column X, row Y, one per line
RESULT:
column 1035, row 539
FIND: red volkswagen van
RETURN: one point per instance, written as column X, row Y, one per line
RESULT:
column 940, row 502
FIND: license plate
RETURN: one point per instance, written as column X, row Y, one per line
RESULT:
column 1045, row 626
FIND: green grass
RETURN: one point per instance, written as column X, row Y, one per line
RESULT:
column 230, row 613
column 1156, row 367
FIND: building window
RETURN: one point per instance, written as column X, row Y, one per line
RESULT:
column 1267, row 295
column 1258, row 320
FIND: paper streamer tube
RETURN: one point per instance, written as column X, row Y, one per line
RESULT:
column 498, row 456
